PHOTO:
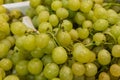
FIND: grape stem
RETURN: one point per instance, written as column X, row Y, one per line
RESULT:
column 108, row 5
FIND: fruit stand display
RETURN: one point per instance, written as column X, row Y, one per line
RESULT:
column 60, row 40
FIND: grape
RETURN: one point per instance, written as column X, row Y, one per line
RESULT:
column 90, row 15
column 5, row 16
column 81, row 53
column 15, row 13
column 21, row 67
column 2, row 9
column 47, row 59
column 79, row 18
column 42, row 40
column 56, row 5
column 2, row 73
column 59, row 55
column 35, row 66
column 99, row 38
column 62, row 13
column 98, row 1
column 47, row 2
column 91, row 69
column 51, row 70
column 65, row 3
column 40, row 8
column 11, row 39
column 104, row 76
column 115, row 51
column 115, row 31
column 115, row 70
column 74, row 34
column 30, row 12
column 35, row 21
column 100, row 12
column 87, row 24
column 104, row 57
column 18, row 28
column 6, row 64
column 112, row 16
column 11, row 77
column 6, row 42
column 37, row 53
column 86, row 5
column 74, row 5
column 90, row 78
column 66, row 73
column 64, row 38
column 44, row 27
column 83, row 33
column 35, row 3
column 40, row 77
column 29, row 43
column 78, row 69
column 53, row 20
column 43, row 16
column 67, row 25
column 100, row 25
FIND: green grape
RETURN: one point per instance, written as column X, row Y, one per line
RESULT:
column 40, row 8
column 62, row 13
column 6, row 64
column 47, row 59
column 90, row 78
column 11, row 77
column 40, row 77
column 99, row 38
column 86, row 5
column 92, row 57
column 115, row 31
column 5, row 16
column 65, row 3
column 66, row 73
column 2, row 73
column 35, row 66
column 79, row 18
column 64, row 38
column 35, row 3
column 43, row 16
column 56, row 5
column 98, row 1
column 81, row 53
column 4, row 50
column 15, row 13
column 51, row 70
column 44, row 27
column 103, row 76
column 29, row 42
column 4, row 27
column 49, row 48
column 35, row 21
column 100, row 25
column 42, row 40
column 79, row 77
column 112, row 16
column 115, row 70
column 90, row 16
column 29, row 77
column 30, row 12
column 59, row 55
column 6, row 42
column 104, row 57
column 74, row 5
column 11, row 39
column 74, row 34
column 67, row 25
column 87, row 24
column 16, row 57
column 47, row 2
column 37, row 53
column 21, row 68
column 100, row 12
column 78, row 69
column 91, row 69
column 2, row 9
column 115, row 50
column 56, row 79
column 53, row 20
column 83, row 33
column 18, row 28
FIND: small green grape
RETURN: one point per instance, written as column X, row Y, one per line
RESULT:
column 74, row 5
column 56, row 5
column 115, row 51
column 104, row 76
column 35, row 3
column 115, row 70
column 11, row 77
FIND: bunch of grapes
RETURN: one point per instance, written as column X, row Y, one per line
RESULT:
column 73, row 40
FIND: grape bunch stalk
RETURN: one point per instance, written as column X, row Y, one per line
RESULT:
column 71, row 40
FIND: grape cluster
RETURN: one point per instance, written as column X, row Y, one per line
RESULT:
column 73, row 40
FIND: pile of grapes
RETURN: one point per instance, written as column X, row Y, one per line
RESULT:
column 10, row 1
column 72, row 40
